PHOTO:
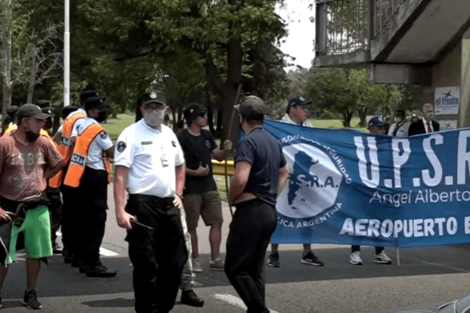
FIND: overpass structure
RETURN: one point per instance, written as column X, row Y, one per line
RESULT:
column 418, row 42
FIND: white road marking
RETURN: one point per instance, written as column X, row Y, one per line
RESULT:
column 106, row 252
column 103, row 251
column 235, row 301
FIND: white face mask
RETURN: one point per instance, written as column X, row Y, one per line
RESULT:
column 154, row 118
column 397, row 119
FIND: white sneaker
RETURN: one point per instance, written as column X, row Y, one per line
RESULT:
column 197, row 268
column 382, row 258
column 355, row 258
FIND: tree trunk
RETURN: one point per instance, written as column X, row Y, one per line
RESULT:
column 32, row 80
column 210, row 120
column 362, row 113
column 6, row 56
column 347, row 116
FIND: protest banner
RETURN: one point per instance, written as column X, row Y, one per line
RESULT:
column 350, row 187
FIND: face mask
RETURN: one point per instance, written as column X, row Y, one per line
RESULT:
column 154, row 118
column 397, row 119
column 31, row 136
column 101, row 116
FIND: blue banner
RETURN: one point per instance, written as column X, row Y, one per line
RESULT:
column 350, row 187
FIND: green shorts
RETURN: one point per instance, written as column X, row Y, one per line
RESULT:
column 37, row 234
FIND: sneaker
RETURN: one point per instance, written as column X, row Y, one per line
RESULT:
column 197, row 268
column 100, row 271
column 30, row 300
column 217, row 265
column 355, row 258
column 190, row 298
column 56, row 249
column 382, row 258
column 273, row 260
column 310, row 259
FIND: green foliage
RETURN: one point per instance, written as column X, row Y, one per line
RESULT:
column 347, row 91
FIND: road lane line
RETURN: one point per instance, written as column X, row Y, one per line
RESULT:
column 443, row 265
column 106, row 252
column 235, row 301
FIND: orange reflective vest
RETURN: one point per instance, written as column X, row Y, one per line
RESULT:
column 42, row 132
column 80, row 153
column 64, row 147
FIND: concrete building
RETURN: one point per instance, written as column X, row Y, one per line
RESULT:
column 420, row 42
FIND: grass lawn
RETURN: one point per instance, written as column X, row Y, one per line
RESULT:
column 115, row 126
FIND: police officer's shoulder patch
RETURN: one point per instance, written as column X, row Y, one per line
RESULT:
column 104, row 135
column 173, row 143
column 121, row 146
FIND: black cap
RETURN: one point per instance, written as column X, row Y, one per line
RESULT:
column 42, row 103
column 31, row 110
column 67, row 110
column 152, row 97
column 94, row 103
column 252, row 107
column 49, row 110
column 193, row 111
column 12, row 111
column 88, row 94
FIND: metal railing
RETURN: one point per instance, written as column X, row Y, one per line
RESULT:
column 384, row 12
column 344, row 26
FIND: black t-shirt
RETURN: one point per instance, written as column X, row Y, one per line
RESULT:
column 264, row 153
column 197, row 151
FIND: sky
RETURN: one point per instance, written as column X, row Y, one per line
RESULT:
column 301, row 32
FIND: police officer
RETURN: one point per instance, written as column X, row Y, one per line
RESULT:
column 70, row 197
column 260, row 171
column 150, row 158
column 53, row 195
column 89, row 172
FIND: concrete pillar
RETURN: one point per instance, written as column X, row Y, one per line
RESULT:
column 464, row 112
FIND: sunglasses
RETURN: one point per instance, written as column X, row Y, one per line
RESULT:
column 202, row 114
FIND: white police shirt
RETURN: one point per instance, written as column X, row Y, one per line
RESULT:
column 101, row 143
column 286, row 119
column 78, row 123
column 151, row 156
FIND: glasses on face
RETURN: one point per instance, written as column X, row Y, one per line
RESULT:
column 202, row 114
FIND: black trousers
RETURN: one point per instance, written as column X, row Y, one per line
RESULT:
column 93, row 191
column 55, row 209
column 158, row 255
column 70, row 214
column 378, row 250
column 253, row 224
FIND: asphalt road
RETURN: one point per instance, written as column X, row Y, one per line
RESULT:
column 425, row 278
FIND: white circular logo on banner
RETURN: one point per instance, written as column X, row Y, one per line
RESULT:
column 313, row 182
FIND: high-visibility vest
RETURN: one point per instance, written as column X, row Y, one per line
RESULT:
column 64, row 147
column 42, row 132
column 79, row 155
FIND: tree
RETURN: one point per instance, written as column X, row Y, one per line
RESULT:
column 334, row 89
column 222, row 35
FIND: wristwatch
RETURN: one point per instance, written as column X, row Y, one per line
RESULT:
column 180, row 195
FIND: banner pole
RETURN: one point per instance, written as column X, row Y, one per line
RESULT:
column 229, row 137
column 398, row 256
